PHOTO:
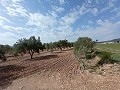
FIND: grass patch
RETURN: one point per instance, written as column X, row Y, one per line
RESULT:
column 113, row 48
column 115, row 57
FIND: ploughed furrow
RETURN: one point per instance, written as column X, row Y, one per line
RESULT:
column 66, row 65
column 52, row 67
column 35, row 67
column 43, row 66
column 69, row 61
column 69, row 65
column 62, row 62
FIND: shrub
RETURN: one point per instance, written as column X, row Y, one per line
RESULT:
column 90, row 56
column 105, row 57
column 82, row 47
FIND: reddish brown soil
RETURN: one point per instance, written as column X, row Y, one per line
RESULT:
column 23, row 66
column 56, row 71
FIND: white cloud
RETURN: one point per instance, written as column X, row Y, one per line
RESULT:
column 14, row 29
column 74, row 15
column 106, row 31
column 8, row 38
column 61, row 1
column 15, row 1
column 3, row 25
column 42, row 21
column 3, row 20
column 50, row 27
column 58, row 9
column 110, row 4
column 90, row 22
column 82, row 9
column 54, row 28
column 117, row 11
column 89, row 1
column 94, row 11
column 15, row 8
column 69, row 18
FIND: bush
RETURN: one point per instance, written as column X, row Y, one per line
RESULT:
column 90, row 56
column 105, row 57
column 83, row 48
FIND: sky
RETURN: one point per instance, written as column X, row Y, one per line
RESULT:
column 55, row 20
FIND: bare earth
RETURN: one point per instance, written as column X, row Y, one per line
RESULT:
column 56, row 71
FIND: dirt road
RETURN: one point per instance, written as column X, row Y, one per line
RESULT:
column 56, row 71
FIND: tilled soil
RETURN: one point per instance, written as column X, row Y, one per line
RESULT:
column 56, row 71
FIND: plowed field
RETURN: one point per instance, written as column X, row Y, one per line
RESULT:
column 52, row 71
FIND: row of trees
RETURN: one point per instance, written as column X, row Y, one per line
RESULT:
column 31, row 46
column 61, row 44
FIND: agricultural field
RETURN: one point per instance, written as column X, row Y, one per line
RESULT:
column 54, row 71
column 57, row 66
column 113, row 48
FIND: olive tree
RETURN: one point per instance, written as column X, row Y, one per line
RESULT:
column 82, row 46
column 30, row 45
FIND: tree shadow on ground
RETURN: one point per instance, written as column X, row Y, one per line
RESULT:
column 59, row 52
column 46, row 57
column 68, row 49
column 8, row 74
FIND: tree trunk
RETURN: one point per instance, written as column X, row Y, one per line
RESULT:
column 31, row 54
column 60, row 48
column 4, row 58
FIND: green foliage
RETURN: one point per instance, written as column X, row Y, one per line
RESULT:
column 2, row 52
column 90, row 55
column 115, row 57
column 46, row 45
column 51, row 47
column 105, row 57
column 82, row 47
column 113, row 48
column 30, row 45
column 59, row 44
column 63, row 44
column 70, row 44
column 8, row 49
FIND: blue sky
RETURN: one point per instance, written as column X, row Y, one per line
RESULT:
column 53, row 20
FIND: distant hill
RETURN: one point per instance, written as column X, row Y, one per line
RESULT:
column 113, row 40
